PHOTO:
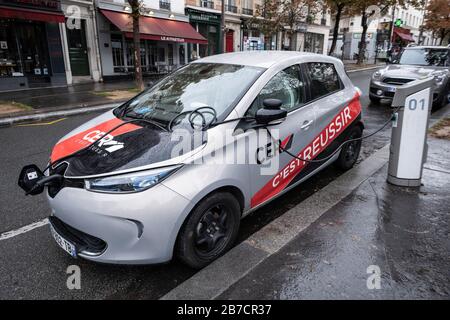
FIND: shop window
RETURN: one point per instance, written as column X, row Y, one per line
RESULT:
column 161, row 55
column 314, row 42
column 153, row 56
column 324, row 79
column 164, row 4
column 143, row 57
column 130, row 55
column 170, row 54
column 181, row 55
column 23, row 49
column 117, row 52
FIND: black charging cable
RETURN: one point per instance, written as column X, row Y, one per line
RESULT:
column 340, row 146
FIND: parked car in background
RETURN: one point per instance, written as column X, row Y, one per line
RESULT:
column 414, row 63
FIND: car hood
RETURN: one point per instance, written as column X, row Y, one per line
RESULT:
column 409, row 71
column 129, row 147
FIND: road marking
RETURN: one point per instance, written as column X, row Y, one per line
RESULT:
column 41, row 123
column 24, row 229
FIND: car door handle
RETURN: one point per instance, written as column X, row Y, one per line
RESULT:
column 306, row 124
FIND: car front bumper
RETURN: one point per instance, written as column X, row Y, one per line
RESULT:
column 386, row 91
column 381, row 90
column 137, row 228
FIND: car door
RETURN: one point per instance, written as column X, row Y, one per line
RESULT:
column 329, row 98
column 272, row 171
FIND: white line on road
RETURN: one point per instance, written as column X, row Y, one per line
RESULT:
column 24, row 229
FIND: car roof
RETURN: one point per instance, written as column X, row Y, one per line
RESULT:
column 257, row 58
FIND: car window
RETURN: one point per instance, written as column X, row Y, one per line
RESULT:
column 425, row 57
column 324, row 79
column 286, row 85
column 197, row 85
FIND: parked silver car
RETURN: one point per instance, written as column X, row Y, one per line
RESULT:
column 120, row 194
column 414, row 63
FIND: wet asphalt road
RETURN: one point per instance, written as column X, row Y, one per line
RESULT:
column 31, row 264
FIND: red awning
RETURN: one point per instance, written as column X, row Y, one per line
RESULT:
column 405, row 36
column 155, row 28
column 35, row 15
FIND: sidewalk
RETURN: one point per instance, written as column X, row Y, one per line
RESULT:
column 62, row 98
column 403, row 231
column 350, row 65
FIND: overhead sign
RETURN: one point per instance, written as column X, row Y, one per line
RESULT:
column 398, row 22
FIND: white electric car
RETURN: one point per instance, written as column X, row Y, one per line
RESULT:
column 130, row 187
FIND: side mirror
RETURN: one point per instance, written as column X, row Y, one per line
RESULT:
column 271, row 112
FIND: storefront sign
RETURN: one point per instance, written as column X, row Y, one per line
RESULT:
column 174, row 39
column 48, row 5
column 203, row 17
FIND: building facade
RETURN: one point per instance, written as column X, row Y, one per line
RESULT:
column 379, row 33
column 165, row 35
column 31, row 52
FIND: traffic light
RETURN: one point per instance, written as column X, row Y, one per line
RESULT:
column 398, row 22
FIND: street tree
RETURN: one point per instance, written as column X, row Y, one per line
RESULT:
column 136, row 11
column 294, row 13
column 273, row 16
column 337, row 8
column 437, row 18
column 266, row 17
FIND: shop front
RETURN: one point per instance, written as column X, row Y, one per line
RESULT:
column 80, row 45
column 31, row 53
column 164, row 44
column 402, row 37
column 254, row 39
column 208, row 25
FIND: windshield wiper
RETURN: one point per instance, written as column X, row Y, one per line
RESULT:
column 150, row 121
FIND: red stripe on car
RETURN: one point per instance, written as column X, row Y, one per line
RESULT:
column 311, row 151
column 87, row 137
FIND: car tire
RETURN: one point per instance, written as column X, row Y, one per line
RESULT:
column 374, row 100
column 441, row 101
column 350, row 151
column 209, row 231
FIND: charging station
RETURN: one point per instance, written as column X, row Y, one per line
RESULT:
column 408, row 151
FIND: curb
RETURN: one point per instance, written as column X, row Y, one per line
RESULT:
column 213, row 280
column 363, row 69
column 61, row 113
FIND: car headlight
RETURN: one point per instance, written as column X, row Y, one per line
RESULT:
column 439, row 78
column 130, row 182
column 376, row 75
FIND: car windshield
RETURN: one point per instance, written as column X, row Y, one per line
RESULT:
column 425, row 57
column 219, row 86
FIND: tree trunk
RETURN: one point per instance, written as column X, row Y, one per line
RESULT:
column 362, row 47
column 336, row 29
column 442, row 37
column 137, row 44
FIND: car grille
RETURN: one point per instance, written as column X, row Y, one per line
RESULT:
column 83, row 241
column 397, row 81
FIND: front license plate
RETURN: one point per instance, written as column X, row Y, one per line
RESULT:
column 391, row 89
column 63, row 243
